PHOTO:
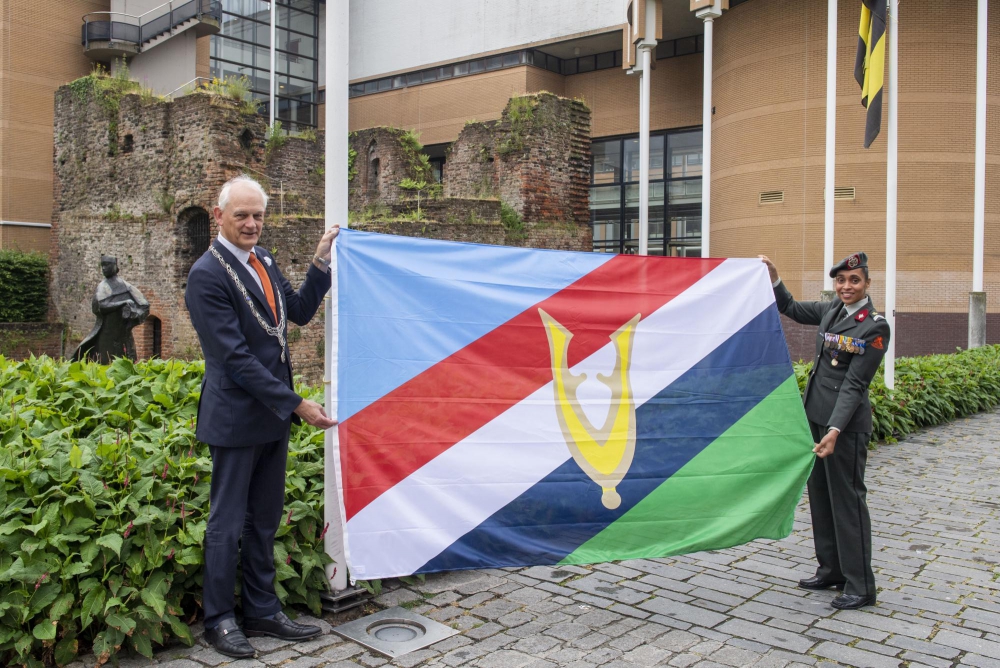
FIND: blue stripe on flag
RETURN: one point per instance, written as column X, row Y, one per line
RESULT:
column 406, row 304
column 562, row 511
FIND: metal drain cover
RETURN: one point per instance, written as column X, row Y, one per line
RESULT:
column 394, row 632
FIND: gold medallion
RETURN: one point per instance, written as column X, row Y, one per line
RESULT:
column 833, row 362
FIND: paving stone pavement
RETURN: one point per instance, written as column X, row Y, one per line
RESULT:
column 936, row 516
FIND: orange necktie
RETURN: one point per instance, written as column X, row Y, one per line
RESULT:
column 265, row 283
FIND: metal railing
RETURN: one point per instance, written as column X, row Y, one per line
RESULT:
column 121, row 27
column 195, row 83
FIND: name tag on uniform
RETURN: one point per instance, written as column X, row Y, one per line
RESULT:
column 847, row 344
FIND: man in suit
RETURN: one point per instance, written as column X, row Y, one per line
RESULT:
column 850, row 344
column 240, row 305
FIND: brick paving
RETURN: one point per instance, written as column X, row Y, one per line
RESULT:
column 936, row 516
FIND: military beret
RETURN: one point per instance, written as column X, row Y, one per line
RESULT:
column 855, row 261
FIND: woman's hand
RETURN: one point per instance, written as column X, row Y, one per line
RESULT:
column 771, row 269
column 826, row 445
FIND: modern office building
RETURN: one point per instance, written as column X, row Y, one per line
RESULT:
column 432, row 66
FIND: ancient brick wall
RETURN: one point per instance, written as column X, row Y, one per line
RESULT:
column 469, row 168
column 141, row 185
column 383, row 158
column 536, row 158
column 19, row 340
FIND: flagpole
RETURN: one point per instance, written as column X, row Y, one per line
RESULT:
column 646, row 60
column 977, row 298
column 831, row 143
column 892, row 28
column 337, row 52
column 273, row 56
column 707, row 15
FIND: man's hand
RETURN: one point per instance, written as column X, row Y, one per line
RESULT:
column 326, row 243
column 825, row 447
column 312, row 413
column 771, row 269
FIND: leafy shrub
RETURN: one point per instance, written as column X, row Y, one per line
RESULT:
column 24, row 286
column 930, row 390
column 103, row 506
column 276, row 138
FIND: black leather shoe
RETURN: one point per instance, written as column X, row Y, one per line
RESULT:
column 852, row 601
column 280, row 627
column 817, row 582
column 228, row 639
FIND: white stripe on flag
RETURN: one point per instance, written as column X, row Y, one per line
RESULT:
column 419, row 517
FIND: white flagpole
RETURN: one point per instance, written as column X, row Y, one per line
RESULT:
column 271, row 100
column 337, row 52
column 977, row 299
column 831, row 141
column 892, row 29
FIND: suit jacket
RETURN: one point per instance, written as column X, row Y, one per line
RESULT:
column 246, row 395
column 837, row 394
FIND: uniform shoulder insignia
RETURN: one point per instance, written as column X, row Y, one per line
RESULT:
column 877, row 317
column 878, row 343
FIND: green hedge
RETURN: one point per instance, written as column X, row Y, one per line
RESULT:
column 103, row 495
column 24, row 286
column 930, row 390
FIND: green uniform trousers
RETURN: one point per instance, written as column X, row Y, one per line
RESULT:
column 842, row 528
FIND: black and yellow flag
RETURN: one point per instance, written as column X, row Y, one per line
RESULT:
column 869, row 66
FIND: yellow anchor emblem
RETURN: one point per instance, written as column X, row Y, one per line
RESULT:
column 604, row 454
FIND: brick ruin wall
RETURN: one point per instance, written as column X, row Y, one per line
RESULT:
column 146, row 195
column 141, row 184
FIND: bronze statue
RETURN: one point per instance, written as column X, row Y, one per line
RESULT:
column 119, row 308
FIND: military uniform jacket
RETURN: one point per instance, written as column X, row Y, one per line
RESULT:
column 848, row 353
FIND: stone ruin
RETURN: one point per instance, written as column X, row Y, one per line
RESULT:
column 139, row 181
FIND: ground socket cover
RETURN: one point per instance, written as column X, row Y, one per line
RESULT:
column 394, row 632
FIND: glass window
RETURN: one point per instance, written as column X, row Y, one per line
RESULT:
column 605, row 217
column 429, row 75
column 477, row 66
column 665, row 50
column 243, row 47
column 511, row 59
column 399, row 81
column 586, row 64
column 461, row 69
column 685, row 154
column 570, row 66
column 607, row 162
column 655, row 158
column 413, row 78
column 384, row 84
column 686, row 45
column 494, row 63
column 674, row 198
column 605, row 60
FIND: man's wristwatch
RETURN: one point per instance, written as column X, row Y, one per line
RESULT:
column 325, row 263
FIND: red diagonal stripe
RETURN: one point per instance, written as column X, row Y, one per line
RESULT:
column 391, row 438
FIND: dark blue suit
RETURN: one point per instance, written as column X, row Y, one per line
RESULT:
column 245, row 414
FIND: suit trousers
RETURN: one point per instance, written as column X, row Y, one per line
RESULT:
column 247, row 502
column 842, row 530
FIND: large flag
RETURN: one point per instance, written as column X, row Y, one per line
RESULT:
column 509, row 407
column 869, row 64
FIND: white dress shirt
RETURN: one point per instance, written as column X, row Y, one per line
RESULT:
column 241, row 255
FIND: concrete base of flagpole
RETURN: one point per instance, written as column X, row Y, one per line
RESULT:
column 827, row 295
column 345, row 599
column 977, row 319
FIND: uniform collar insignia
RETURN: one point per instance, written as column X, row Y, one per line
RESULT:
column 862, row 314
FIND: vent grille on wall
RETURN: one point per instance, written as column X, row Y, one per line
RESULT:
column 841, row 193
column 772, row 197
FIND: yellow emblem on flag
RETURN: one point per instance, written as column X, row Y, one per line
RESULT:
column 604, row 454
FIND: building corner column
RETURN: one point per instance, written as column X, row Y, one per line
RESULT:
column 831, row 148
column 977, row 319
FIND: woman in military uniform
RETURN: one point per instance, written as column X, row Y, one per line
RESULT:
column 850, row 343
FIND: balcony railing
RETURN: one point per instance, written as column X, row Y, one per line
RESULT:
column 106, row 27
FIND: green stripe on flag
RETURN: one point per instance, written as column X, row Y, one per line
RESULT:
column 744, row 485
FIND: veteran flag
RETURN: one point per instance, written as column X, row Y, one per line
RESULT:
column 869, row 64
column 511, row 407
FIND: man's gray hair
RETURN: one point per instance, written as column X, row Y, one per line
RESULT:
column 242, row 178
